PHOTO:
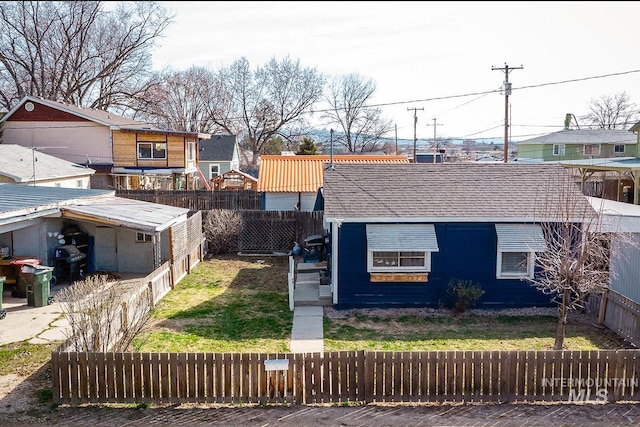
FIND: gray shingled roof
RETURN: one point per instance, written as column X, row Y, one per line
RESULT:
column 458, row 192
column 585, row 136
column 17, row 163
column 218, row 148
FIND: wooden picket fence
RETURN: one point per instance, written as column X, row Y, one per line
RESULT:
column 347, row 376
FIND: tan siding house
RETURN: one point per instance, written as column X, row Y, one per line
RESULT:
column 126, row 154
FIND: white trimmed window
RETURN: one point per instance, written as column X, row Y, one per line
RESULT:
column 592, row 149
column 191, row 151
column 152, row 150
column 558, row 149
column 214, row 170
column 400, row 247
column 618, row 149
column 143, row 238
column 517, row 245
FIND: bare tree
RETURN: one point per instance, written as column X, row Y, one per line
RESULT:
column 183, row 100
column 76, row 52
column 104, row 316
column 575, row 261
column 268, row 102
column 362, row 127
column 612, row 112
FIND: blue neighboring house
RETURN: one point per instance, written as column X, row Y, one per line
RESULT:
column 218, row 155
column 399, row 233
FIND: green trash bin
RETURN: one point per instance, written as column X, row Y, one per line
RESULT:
column 38, row 278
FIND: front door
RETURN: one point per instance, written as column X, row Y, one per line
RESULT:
column 106, row 250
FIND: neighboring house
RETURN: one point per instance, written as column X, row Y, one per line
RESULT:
column 399, row 233
column 126, row 154
column 218, row 155
column 115, row 234
column 22, row 165
column 234, row 180
column 615, row 179
column 622, row 219
column 578, row 144
column 292, row 182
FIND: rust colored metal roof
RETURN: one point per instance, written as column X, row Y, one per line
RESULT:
column 304, row 173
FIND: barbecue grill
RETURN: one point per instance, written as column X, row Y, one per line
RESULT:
column 68, row 259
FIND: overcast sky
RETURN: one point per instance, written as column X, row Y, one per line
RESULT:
column 436, row 57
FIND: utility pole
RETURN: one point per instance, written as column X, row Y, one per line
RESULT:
column 396, row 127
column 415, row 138
column 435, row 145
column 507, row 92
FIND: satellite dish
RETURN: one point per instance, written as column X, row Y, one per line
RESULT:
column 29, row 106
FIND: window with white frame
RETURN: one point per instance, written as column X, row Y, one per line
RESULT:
column 214, row 170
column 592, row 149
column 143, row 238
column 517, row 246
column 78, row 183
column 618, row 149
column 152, row 150
column 558, row 149
column 400, row 247
column 191, row 151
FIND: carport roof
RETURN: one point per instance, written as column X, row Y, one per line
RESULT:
column 122, row 212
column 22, row 202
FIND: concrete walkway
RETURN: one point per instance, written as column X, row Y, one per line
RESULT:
column 309, row 298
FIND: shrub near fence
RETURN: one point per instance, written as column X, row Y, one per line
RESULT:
column 347, row 376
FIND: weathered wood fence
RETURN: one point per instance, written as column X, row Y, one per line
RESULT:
column 618, row 313
column 347, row 376
column 198, row 199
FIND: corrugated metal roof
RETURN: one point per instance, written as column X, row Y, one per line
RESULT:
column 520, row 238
column 304, row 173
column 130, row 213
column 17, row 163
column 402, row 237
column 20, row 202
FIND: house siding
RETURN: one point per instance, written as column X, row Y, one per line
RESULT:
column 624, row 266
column 74, row 142
column 572, row 152
column 467, row 252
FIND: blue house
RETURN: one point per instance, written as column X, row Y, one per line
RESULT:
column 399, row 233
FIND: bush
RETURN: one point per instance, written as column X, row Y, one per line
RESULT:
column 463, row 294
column 221, row 229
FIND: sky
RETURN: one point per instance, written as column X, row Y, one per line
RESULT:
column 443, row 63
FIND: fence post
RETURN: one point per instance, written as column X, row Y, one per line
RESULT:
column 152, row 302
column 603, row 307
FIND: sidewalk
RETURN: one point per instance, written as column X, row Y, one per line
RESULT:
column 37, row 325
column 307, row 332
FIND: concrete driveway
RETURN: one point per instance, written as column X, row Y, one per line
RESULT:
column 37, row 325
